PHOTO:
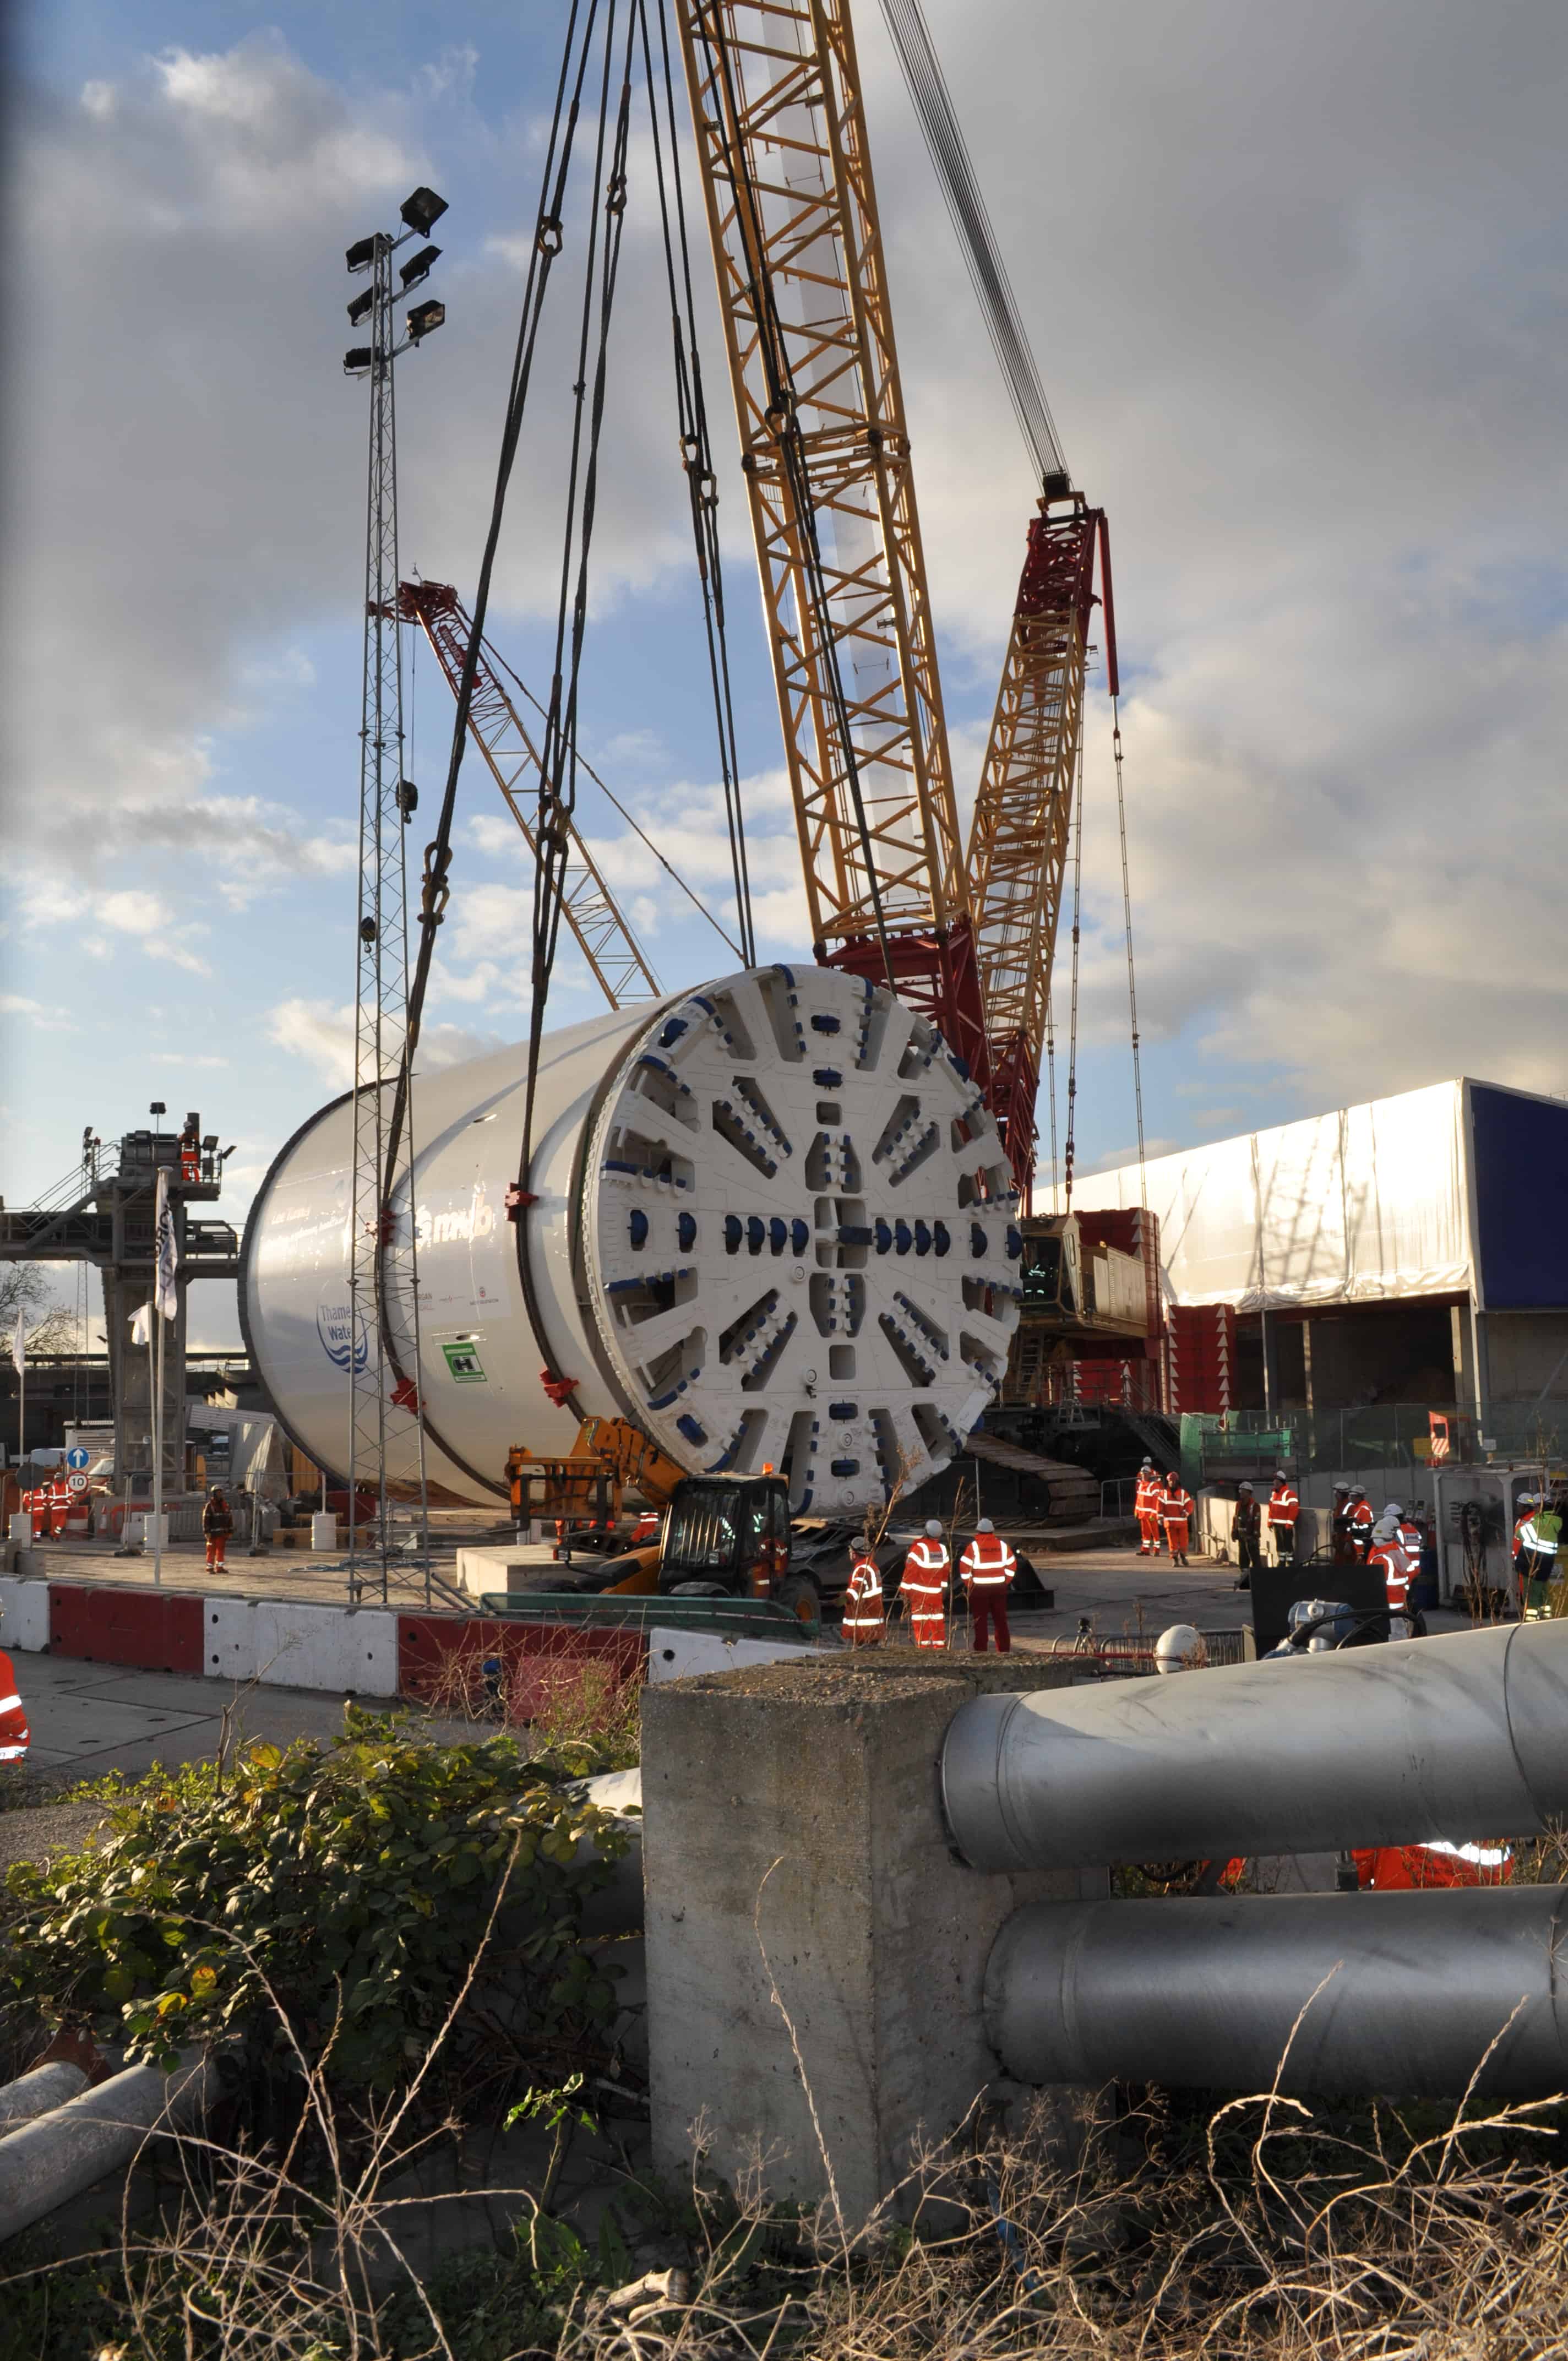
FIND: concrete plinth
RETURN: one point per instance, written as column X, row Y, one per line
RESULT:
column 516, row 1566
column 807, row 1923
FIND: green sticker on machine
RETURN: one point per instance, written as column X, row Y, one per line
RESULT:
column 464, row 1362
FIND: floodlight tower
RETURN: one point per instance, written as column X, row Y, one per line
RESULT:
column 378, row 1329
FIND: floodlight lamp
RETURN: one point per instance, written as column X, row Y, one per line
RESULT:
column 425, row 317
column 419, row 267
column 357, row 359
column 360, row 305
column 210, row 1141
column 422, row 211
column 157, row 1107
column 361, row 253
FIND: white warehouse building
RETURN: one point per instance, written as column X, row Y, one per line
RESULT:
column 1412, row 1251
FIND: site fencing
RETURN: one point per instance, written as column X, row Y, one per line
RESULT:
column 1383, row 1436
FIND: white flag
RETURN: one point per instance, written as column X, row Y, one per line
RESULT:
column 141, row 1325
column 19, row 1344
column 165, row 1294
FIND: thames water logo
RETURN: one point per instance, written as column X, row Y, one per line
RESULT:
column 334, row 1326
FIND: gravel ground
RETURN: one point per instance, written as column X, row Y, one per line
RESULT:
column 36, row 1831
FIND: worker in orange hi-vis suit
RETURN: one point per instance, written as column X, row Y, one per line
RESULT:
column 1146, row 1508
column 645, row 1530
column 14, row 1736
column 1283, row 1508
column 865, row 1618
column 1386, row 1552
column 922, row 1587
column 1175, row 1516
column 988, row 1568
column 217, row 1525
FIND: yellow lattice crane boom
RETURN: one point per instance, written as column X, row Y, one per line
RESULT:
column 792, row 213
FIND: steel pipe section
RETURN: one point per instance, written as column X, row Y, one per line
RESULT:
column 57, row 2155
column 1399, row 1992
column 1457, row 1737
column 774, row 1224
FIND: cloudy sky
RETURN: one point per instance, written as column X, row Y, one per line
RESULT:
column 1296, row 280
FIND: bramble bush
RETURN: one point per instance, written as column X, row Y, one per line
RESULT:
column 333, row 1897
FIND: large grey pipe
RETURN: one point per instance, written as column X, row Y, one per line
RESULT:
column 1466, row 1736
column 1205, row 1994
column 60, row 2154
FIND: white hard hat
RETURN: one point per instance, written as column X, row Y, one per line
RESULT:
column 986, row 1526
column 1394, row 1509
column 1149, row 1462
column 934, row 1528
column 1180, row 1650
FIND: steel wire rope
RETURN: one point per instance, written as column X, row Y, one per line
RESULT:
column 558, row 776
column 987, row 274
column 782, row 415
column 1127, row 923
column 696, row 455
column 1069, row 1145
column 547, row 244
column 610, row 797
column 557, row 785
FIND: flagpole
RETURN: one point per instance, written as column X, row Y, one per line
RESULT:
column 156, row 1457
column 165, row 1306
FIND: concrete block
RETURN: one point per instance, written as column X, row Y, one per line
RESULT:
column 677, row 1655
column 352, row 1649
column 516, row 1566
column 24, row 1613
column 229, row 1638
column 807, row 1923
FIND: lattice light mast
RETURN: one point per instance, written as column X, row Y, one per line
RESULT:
column 380, row 1335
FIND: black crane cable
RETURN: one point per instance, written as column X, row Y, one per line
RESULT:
column 782, row 416
column 558, row 764
column 547, row 243
column 911, row 38
column 697, row 457
column 633, row 822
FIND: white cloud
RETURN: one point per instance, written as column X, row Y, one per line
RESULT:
column 1306, row 343
column 35, row 1013
column 321, row 1035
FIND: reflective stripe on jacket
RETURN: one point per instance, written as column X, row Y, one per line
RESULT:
column 988, row 1563
column 1396, row 1571
column 863, row 1615
column 1284, row 1505
column 925, row 1576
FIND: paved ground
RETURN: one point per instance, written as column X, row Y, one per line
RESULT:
column 1125, row 1594
column 90, row 1719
